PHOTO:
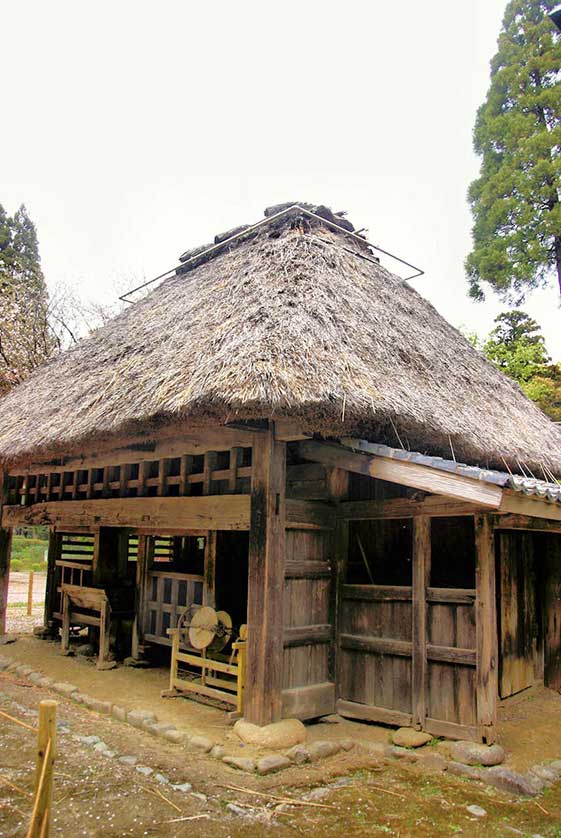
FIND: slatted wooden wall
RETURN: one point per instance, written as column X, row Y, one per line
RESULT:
column 308, row 682
column 211, row 473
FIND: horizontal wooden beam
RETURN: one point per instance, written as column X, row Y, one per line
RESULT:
column 378, row 645
column 211, row 512
column 354, row 710
column 309, row 514
column 435, row 506
column 163, row 444
column 531, row 507
column 451, row 654
column 376, row 593
column 307, row 635
column 450, row 730
column 452, row 596
column 525, row 522
column 307, row 569
column 207, row 512
column 309, row 702
column 403, row 472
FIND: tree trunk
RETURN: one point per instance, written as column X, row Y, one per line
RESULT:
column 557, row 250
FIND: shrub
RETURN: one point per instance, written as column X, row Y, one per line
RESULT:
column 16, row 564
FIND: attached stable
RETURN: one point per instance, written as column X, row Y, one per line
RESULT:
column 276, row 433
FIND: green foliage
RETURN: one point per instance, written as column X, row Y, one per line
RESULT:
column 25, row 336
column 516, row 346
column 28, row 554
column 516, row 200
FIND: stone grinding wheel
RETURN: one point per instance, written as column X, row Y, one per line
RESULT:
column 224, row 625
column 203, row 627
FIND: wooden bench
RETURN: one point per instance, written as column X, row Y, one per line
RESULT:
column 76, row 602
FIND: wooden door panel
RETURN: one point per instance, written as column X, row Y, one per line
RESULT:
column 517, row 608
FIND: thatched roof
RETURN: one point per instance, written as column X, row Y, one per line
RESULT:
column 293, row 319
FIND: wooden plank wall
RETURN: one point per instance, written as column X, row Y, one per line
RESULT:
column 375, row 653
column 549, row 546
column 451, row 645
column 308, row 617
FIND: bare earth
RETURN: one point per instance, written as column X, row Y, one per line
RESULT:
column 353, row 793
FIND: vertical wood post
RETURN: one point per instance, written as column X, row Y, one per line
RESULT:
column 209, row 595
column 5, row 553
column 30, row 594
column 421, row 574
column 338, row 487
column 263, row 701
column 486, row 629
column 46, row 755
column 142, row 566
column 53, row 553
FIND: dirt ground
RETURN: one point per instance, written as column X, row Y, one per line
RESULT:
column 352, row 793
column 96, row 795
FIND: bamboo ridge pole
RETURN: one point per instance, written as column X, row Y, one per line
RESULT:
column 30, row 594
column 46, row 754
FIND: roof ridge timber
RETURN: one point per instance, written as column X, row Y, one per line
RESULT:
column 199, row 255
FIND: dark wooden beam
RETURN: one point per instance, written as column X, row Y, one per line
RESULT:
column 5, row 553
column 263, row 698
column 421, row 578
column 53, row 553
column 435, row 506
column 486, row 630
column 220, row 512
column 526, row 522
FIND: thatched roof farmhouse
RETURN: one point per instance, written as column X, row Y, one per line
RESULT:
column 294, row 319
column 286, row 453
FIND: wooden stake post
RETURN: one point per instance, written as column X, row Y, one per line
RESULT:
column 30, row 594
column 46, row 755
column 5, row 552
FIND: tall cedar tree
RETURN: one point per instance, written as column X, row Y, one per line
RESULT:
column 516, row 200
column 25, row 336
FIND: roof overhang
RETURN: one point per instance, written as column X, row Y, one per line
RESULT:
column 441, row 477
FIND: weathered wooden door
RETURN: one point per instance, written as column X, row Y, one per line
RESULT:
column 519, row 628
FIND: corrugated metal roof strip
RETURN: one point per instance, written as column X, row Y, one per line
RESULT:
column 524, row 485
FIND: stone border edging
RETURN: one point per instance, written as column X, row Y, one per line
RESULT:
column 529, row 784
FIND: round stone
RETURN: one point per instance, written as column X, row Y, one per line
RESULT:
column 407, row 737
column 283, row 734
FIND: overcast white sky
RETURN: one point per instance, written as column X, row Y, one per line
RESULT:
column 134, row 130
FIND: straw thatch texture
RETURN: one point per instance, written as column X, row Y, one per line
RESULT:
column 289, row 322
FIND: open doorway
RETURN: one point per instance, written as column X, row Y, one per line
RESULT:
column 528, row 610
column 231, row 580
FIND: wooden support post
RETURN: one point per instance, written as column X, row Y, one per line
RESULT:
column 53, row 554
column 30, row 594
column 46, row 754
column 486, row 630
column 5, row 553
column 421, row 574
column 233, row 478
column 209, row 594
column 142, row 470
column 183, row 474
column 338, row 487
column 142, row 566
column 266, row 580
